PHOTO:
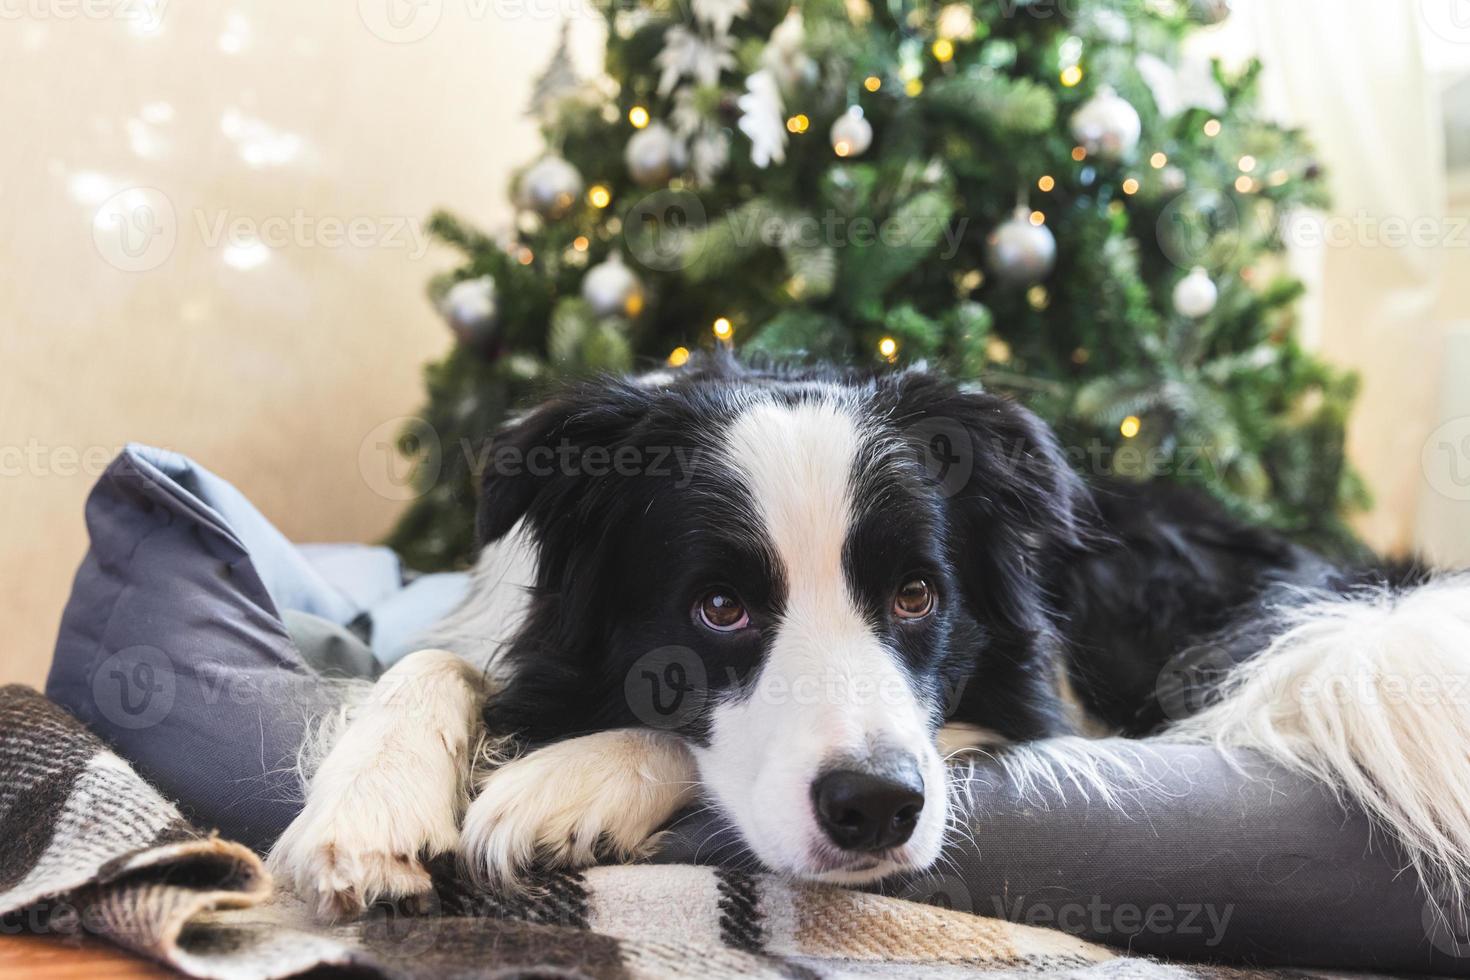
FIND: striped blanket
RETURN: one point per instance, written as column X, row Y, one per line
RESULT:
column 88, row 847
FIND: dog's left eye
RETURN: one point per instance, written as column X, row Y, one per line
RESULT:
column 914, row 600
column 722, row 612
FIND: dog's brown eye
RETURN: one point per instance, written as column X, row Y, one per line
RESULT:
column 722, row 612
column 914, row 600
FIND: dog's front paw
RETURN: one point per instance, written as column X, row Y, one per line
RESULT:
column 345, row 853
column 600, row 796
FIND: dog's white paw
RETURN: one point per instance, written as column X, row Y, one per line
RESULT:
column 389, row 794
column 600, row 796
column 344, row 853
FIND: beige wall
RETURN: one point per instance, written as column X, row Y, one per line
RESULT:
column 267, row 364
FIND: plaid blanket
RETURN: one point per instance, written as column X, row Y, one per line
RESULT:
column 86, row 846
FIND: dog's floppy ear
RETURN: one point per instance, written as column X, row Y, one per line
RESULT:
column 1015, row 507
column 533, row 467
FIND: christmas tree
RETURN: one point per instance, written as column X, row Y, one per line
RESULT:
column 1053, row 200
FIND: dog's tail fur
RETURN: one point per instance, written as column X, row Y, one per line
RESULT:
column 1369, row 693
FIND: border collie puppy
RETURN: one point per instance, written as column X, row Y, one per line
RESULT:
column 780, row 593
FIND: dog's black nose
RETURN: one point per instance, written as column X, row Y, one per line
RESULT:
column 863, row 811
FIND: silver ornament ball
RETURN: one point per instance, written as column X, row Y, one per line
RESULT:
column 550, row 187
column 851, row 134
column 471, row 309
column 1210, row 12
column 611, row 288
column 1019, row 252
column 650, row 155
column 1107, row 125
column 1196, row 294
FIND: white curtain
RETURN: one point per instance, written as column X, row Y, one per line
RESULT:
column 1353, row 74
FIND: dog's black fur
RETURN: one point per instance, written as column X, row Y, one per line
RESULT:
column 1107, row 581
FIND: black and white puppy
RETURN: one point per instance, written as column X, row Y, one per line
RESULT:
column 827, row 570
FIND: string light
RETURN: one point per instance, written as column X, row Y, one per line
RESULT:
column 972, row 280
column 580, row 243
column 525, row 256
column 1130, row 186
column 798, row 123
column 1038, row 219
column 723, row 328
column 1212, row 128
column 888, row 349
column 1158, row 161
column 1038, row 298
column 1244, row 184
column 943, row 50
column 1071, row 75
column 599, row 196
column 1047, row 182
column 1079, row 153
column 872, row 83
column 1279, row 177
column 1247, row 164
column 1081, row 356
column 638, row 116
column 1131, row 426
column 679, row 357
column 913, row 87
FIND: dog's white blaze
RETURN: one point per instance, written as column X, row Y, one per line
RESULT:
column 829, row 687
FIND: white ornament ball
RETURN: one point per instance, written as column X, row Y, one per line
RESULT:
column 1195, row 294
column 650, row 155
column 550, row 187
column 1019, row 252
column 611, row 288
column 1107, row 125
column 851, row 133
column 471, row 309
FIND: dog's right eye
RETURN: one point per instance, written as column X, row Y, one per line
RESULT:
column 722, row 612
